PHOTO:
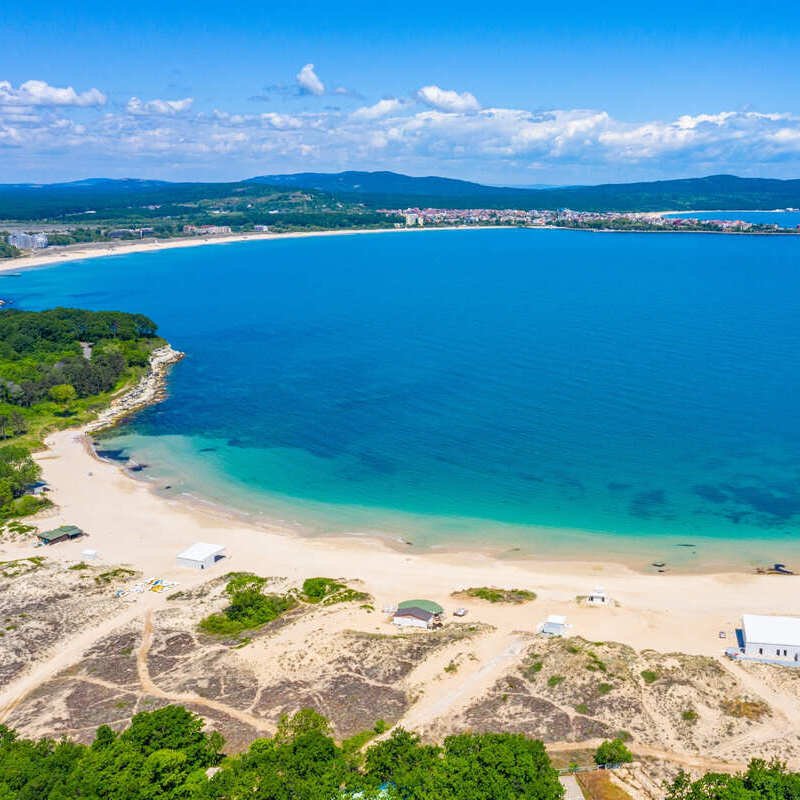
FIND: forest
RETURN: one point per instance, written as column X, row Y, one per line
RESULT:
column 57, row 367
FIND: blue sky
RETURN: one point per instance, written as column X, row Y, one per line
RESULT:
column 518, row 93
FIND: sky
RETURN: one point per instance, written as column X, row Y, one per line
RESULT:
column 501, row 93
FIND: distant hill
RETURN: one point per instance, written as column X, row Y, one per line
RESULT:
column 392, row 190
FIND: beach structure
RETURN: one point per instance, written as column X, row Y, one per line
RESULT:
column 554, row 625
column 61, row 534
column 89, row 554
column 598, row 597
column 772, row 640
column 418, row 614
column 201, row 555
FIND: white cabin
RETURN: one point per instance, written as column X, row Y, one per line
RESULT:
column 554, row 625
column 201, row 555
column 598, row 597
column 773, row 639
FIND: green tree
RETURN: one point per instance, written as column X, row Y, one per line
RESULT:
column 63, row 394
column 613, row 751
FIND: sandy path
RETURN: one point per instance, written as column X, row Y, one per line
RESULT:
column 689, row 760
column 461, row 689
column 69, row 652
column 784, row 708
column 149, row 687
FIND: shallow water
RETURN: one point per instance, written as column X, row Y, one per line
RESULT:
column 508, row 387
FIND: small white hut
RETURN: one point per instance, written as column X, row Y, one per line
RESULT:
column 598, row 597
column 554, row 625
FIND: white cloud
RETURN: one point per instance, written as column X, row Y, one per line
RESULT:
column 40, row 93
column 158, row 107
column 308, row 81
column 448, row 100
column 378, row 110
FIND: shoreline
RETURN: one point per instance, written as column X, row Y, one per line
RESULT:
column 82, row 252
column 582, row 544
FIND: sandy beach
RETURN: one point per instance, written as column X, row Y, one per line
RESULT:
column 128, row 522
column 61, row 255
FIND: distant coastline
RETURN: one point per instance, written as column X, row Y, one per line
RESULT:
column 81, row 252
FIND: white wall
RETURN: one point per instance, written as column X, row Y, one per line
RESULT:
column 409, row 622
column 773, row 652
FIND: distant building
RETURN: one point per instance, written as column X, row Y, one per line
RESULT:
column 412, row 219
column 775, row 640
column 261, row 228
column 206, row 229
column 28, row 241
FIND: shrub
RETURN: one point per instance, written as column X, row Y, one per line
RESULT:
column 604, row 688
column 649, row 675
column 495, row 595
column 690, row 716
column 612, row 751
column 554, row 680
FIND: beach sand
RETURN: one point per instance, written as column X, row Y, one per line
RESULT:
column 81, row 252
column 128, row 522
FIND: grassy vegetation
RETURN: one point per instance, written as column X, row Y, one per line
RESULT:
column 604, row 688
column 494, row 595
column 249, row 607
column 599, row 786
column 649, row 676
column 555, row 680
column 690, row 716
column 114, row 575
column 745, row 709
column 328, row 591
column 20, row 566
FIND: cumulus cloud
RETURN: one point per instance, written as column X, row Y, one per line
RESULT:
column 448, row 100
column 380, row 109
column 450, row 134
column 308, row 81
column 40, row 93
column 158, row 107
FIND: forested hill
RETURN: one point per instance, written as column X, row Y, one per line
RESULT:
column 388, row 189
column 326, row 199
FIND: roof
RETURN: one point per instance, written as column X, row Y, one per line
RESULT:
column 425, row 605
column 200, row 551
column 556, row 619
column 64, row 530
column 417, row 613
column 771, row 630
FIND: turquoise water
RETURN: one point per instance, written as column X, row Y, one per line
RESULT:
column 490, row 387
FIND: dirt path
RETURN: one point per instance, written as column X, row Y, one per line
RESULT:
column 690, row 760
column 462, row 688
column 784, row 708
column 67, row 653
column 149, row 687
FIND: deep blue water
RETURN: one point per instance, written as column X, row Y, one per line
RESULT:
column 452, row 386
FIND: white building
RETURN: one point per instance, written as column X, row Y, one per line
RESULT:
column 773, row 639
column 201, row 555
column 418, row 614
column 28, row 241
column 554, row 625
column 598, row 597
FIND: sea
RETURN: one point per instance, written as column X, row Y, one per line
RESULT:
column 565, row 394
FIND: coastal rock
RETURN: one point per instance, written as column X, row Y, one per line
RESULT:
column 150, row 389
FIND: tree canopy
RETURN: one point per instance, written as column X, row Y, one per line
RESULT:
column 166, row 755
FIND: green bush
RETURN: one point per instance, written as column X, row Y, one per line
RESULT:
column 613, row 751
column 649, row 675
